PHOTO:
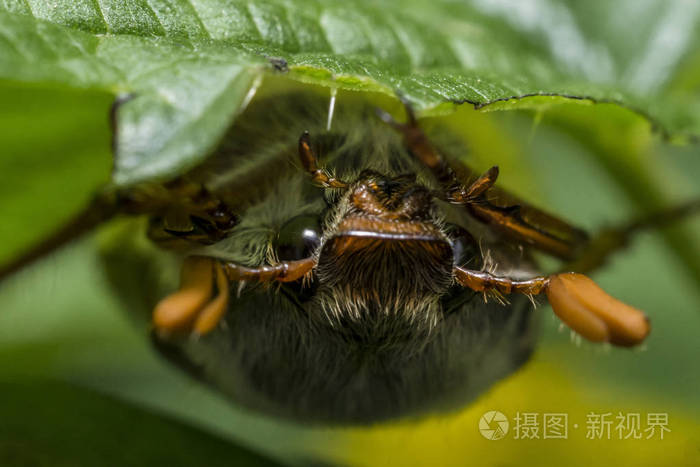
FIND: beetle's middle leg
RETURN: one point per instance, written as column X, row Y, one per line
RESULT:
column 502, row 211
column 182, row 213
column 521, row 221
column 195, row 308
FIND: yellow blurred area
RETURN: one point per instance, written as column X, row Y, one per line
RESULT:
column 541, row 388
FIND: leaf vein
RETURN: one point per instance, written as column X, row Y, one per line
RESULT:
column 395, row 24
column 98, row 5
column 199, row 19
column 251, row 14
column 157, row 18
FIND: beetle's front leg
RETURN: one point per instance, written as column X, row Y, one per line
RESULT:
column 575, row 299
column 203, row 297
column 286, row 271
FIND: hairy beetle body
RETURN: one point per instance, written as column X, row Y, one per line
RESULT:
column 383, row 331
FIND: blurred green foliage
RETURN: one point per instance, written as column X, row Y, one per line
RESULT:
column 45, row 423
column 53, row 150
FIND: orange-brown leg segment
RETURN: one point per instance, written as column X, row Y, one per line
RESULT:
column 194, row 307
column 487, row 203
column 286, row 271
column 419, row 145
column 576, row 300
column 310, row 163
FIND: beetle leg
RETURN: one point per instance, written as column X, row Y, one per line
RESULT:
column 420, row 146
column 575, row 299
column 499, row 209
column 482, row 281
column 478, row 187
column 195, row 308
column 101, row 209
column 286, row 271
column 183, row 213
column 310, row 162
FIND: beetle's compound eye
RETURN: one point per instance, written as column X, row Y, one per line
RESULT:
column 465, row 250
column 298, row 238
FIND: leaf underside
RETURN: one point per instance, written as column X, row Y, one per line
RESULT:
column 185, row 66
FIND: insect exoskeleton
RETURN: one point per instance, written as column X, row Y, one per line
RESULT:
column 366, row 276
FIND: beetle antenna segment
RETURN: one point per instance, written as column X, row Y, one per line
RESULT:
column 310, row 163
column 576, row 300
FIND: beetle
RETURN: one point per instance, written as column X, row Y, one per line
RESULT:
column 357, row 275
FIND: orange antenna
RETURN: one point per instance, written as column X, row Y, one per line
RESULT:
column 589, row 310
column 575, row 299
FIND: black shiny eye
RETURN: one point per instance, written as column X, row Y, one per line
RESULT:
column 465, row 249
column 298, row 238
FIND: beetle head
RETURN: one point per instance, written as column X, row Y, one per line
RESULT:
column 386, row 253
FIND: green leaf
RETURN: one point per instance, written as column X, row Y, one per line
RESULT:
column 179, row 100
column 47, row 423
column 188, row 64
column 53, row 157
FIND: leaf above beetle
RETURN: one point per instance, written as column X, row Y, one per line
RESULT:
column 189, row 65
